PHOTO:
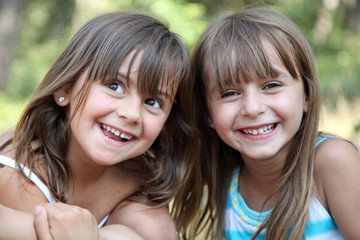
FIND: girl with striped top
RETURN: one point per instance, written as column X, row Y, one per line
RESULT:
column 259, row 94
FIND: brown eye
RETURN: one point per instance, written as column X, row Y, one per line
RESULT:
column 229, row 94
column 272, row 85
column 115, row 86
column 153, row 103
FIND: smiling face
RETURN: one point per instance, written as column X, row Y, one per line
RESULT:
column 116, row 122
column 258, row 117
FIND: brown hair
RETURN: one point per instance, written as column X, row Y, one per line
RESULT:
column 233, row 45
column 101, row 46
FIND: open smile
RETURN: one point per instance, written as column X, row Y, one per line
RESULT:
column 259, row 131
column 115, row 134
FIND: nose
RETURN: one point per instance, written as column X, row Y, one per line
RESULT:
column 252, row 104
column 130, row 108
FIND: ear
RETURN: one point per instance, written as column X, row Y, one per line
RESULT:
column 306, row 104
column 62, row 96
column 211, row 123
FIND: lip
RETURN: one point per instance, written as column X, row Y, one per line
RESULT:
column 257, row 132
column 107, row 137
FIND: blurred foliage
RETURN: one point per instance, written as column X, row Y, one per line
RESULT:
column 48, row 24
column 331, row 26
column 9, row 112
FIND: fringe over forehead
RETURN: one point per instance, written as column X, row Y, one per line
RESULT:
column 104, row 42
column 234, row 49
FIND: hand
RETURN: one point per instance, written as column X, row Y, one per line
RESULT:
column 41, row 224
column 61, row 221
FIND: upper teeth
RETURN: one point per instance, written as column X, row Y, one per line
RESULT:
column 263, row 130
column 116, row 132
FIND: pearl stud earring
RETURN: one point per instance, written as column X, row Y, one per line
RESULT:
column 61, row 99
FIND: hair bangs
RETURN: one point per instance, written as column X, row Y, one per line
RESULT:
column 163, row 65
column 108, row 53
column 163, row 62
column 109, row 57
column 284, row 49
column 239, row 56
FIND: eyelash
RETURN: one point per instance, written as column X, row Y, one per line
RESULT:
column 268, row 86
column 272, row 85
column 112, row 83
column 147, row 101
column 229, row 94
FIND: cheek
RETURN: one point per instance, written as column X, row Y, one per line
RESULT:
column 152, row 128
column 291, row 110
column 82, row 113
column 222, row 116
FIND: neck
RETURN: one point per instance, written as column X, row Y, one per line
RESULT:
column 82, row 168
column 258, row 179
column 265, row 171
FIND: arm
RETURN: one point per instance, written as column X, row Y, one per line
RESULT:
column 19, row 225
column 119, row 232
column 130, row 220
column 72, row 222
column 149, row 222
column 61, row 221
column 16, row 225
column 337, row 172
column 67, row 226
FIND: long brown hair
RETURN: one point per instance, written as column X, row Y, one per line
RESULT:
column 101, row 45
column 233, row 45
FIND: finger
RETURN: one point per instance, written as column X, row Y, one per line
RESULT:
column 41, row 224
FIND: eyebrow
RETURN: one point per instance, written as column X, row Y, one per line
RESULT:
column 165, row 94
column 122, row 75
column 281, row 72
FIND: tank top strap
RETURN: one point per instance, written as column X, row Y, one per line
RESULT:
column 11, row 163
column 322, row 138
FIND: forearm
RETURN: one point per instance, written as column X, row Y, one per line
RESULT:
column 16, row 225
column 119, row 232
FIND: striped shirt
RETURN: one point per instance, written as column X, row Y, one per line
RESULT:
column 241, row 222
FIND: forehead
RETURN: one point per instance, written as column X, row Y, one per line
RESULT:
column 131, row 64
column 276, row 62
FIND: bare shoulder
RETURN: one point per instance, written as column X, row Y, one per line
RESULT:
column 336, row 160
column 337, row 175
column 16, row 192
column 4, row 137
column 335, row 151
column 149, row 222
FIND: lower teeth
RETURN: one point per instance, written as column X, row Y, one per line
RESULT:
column 121, row 140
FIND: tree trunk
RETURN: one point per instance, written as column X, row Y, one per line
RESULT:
column 354, row 16
column 10, row 13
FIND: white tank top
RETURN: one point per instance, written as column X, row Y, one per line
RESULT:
column 11, row 163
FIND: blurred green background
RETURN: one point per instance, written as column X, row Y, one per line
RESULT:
column 33, row 32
